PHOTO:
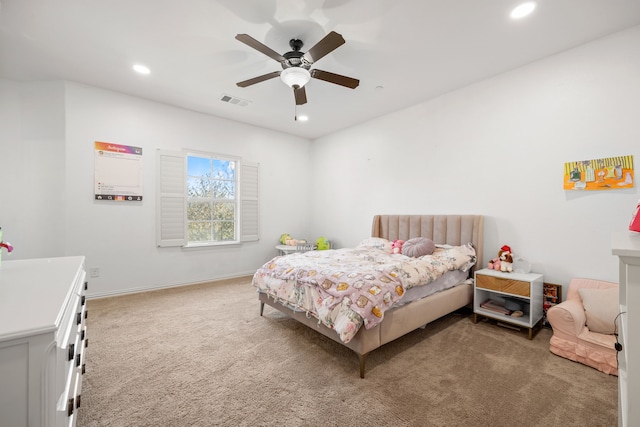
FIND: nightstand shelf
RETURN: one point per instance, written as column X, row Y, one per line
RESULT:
column 497, row 289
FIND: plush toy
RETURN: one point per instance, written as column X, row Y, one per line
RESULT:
column 286, row 239
column 322, row 244
column 494, row 264
column 506, row 259
column 396, row 246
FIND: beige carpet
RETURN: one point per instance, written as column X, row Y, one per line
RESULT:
column 202, row 356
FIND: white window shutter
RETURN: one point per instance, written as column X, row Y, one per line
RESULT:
column 171, row 199
column 249, row 218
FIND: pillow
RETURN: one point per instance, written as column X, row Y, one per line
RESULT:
column 418, row 246
column 601, row 308
column 375, row 243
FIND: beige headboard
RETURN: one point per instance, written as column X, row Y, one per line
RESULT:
column 443, row 229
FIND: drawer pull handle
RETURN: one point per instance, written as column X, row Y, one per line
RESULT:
column 86, row 285
column 70, row 405
column 78, row 318
column 86, row 343
column 72, row 351
column 78, row 356
column 83, row 299
column 82, row 335
column 78, row 401
column 84, row 368
column 86, row 313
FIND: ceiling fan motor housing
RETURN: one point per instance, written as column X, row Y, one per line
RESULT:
column 295, row 59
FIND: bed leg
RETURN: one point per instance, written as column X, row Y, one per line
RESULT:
column 362, row 358
column 261, row 308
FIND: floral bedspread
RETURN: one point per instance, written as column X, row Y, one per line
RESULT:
column 346, row 288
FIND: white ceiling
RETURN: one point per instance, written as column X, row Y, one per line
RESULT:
column 403, row 51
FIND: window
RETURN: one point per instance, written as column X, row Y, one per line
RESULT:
column 211, row 199
column 206, row 199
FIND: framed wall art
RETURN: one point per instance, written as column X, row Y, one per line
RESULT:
column 611, row 173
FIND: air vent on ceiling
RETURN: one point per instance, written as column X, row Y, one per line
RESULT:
column 233, row 100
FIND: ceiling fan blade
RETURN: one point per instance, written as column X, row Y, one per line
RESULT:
column 258, row 79
column 328, row 44
column 300, row 94
column 251, row 42
column 335, row 78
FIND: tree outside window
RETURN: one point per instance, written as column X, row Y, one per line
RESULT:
column 211, row 199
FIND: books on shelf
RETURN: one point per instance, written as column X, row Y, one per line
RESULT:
column 496, row 306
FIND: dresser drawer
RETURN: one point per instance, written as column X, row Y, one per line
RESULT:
column 508, row 286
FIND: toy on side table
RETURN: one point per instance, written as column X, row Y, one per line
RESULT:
column 286, row 239
column 322, row 244
column 504, row 261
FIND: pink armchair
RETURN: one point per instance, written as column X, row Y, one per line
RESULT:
column 572, row 337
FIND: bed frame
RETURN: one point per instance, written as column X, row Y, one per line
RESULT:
column 443, row 229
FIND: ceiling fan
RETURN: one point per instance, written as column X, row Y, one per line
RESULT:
column 296, row 65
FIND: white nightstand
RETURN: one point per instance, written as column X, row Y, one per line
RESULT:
column 524, row 289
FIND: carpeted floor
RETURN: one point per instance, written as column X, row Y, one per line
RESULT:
column 202, row 356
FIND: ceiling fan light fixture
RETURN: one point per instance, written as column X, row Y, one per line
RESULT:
column 295, row 76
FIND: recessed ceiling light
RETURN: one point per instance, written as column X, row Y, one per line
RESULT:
column 139, row 68
column 523, row 10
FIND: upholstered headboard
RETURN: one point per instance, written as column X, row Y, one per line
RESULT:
column 443, row 229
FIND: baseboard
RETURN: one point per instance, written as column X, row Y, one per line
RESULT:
column 160, row 287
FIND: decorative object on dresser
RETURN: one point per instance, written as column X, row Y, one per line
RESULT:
column 289, row 283
column 626, row 245
column 511, row 298
column 42, row 341
column 583, row 325
column 5, row 245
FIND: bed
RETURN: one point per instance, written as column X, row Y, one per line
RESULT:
column 309, row 286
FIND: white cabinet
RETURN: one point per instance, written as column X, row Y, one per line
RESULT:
column 626, row 245
column 42, row 341
column 514, row 298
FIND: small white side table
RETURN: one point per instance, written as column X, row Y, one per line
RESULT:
column 286, row 249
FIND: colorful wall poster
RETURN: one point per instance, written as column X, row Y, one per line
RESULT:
column 118, row 172
column 611, row 173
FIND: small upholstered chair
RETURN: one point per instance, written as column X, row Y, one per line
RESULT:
column 585, row 323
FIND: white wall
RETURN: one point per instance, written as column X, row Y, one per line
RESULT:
column 32, row 191
column 119, row 238
column 498, row 148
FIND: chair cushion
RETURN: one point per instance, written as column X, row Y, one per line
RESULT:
column 601, row 309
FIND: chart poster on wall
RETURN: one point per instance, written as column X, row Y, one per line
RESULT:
column 118, row 172
column 611, row 173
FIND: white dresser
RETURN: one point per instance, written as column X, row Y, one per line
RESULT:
column 626, row 245
column 42, row 341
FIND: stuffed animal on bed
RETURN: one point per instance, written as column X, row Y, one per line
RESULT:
column 396, row 246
